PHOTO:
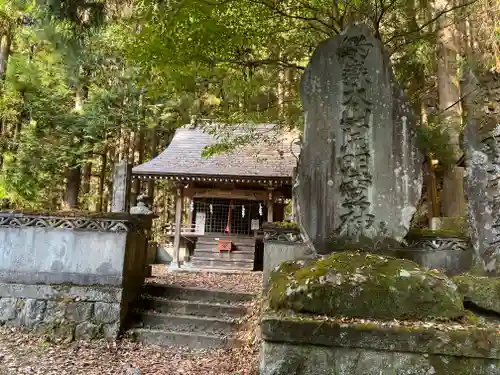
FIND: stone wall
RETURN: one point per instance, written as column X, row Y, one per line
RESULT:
column 72, row 277
column 69, row 312
column 301, row 345
column 279, row 251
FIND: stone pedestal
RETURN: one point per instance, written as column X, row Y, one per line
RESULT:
column 278, row 251
column 301, row 345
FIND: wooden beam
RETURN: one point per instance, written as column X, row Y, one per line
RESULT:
column 264, row 182
column 257, row 195
column 178, row 222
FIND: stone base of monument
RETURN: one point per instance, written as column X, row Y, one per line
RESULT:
column 447, row 251
column 281, row 245
column 306, row 346
column 366, row 314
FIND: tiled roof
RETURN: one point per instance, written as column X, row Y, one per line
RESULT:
column 258, row 159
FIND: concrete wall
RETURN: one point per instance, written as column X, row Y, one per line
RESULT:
column 72, row 277
column 277, row 252
column 52, row 255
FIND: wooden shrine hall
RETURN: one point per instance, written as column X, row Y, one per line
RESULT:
column 224, row 199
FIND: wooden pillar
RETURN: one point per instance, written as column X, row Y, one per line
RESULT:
column 270, row 206
column 189, row 212
column 178, row 222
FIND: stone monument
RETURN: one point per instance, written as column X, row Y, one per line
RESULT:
column 120, row 200
column 359, row 175
column 481, row 101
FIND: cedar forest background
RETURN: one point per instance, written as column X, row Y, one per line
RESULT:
column 85, row 84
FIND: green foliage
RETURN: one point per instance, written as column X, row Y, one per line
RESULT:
column 434, row 140
column 146, row 64
column 44, row 131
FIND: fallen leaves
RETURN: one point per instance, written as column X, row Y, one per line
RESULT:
column 22, row 353
column 248, row 282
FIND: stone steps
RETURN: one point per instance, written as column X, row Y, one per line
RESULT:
column 187, row 317
column 195, row 294
column 196, row 308
column 216, row 263
column 212, row 246
column 226, row 255
column 184, row 323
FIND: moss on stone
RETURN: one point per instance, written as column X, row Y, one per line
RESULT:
column 284, row 224
column 484, row 292
column 364, row 285
column 61, row 329
column 447, row 365
column 361, row 243
column 436, row 338
column 439, row 233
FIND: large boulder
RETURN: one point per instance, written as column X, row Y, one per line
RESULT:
column 364, row 285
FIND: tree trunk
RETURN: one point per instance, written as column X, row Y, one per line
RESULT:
column 452, row 198
column 5, row 48
column 153, row 153
column 136, row 185
column 73, row 178
column 86, row 177
column 102, row 179
column 5, row 44
column 73, row 174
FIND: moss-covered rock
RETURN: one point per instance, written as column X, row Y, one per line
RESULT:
column 365, row 286
column 483, row 292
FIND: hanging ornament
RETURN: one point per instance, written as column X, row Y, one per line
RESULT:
column 211, row 209
column 191, row 206
column 243, row 211
column 260, row 209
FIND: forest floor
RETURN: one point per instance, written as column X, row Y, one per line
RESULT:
column 23, row 353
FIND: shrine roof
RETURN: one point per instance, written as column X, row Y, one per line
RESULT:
column 268, row 155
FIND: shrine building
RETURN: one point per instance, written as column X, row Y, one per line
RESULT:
column 223, row 200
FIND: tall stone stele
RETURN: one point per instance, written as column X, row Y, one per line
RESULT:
column 359, row 177
column 481, row 103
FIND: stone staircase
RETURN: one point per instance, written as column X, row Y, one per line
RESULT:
column 187, row 317
column 242, row 258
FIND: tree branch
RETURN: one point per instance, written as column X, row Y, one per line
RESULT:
column 434, row 19
column 256, row 63
column 309, row 20
column 383, row 11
